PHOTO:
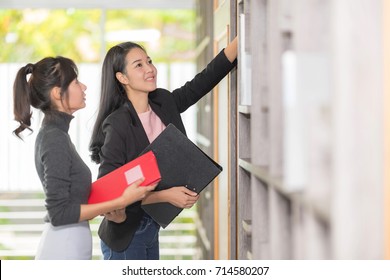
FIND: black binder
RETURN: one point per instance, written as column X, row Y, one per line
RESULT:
column 181, row 163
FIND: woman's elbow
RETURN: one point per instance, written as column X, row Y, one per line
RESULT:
column 59, row 220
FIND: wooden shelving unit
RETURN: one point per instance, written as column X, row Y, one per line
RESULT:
column 278, row 216
column 307, row 184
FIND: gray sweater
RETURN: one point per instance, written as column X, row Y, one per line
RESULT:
column 65, row 178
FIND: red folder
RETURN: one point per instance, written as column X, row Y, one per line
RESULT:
column 114, row 183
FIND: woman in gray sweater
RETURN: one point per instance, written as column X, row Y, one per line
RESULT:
column 51, row 85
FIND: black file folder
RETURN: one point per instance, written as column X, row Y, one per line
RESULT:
column 181, row 163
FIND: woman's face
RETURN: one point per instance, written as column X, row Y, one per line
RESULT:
column 140, row 74
column 76, row 97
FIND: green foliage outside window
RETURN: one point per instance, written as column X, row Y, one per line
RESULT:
column 29, row 35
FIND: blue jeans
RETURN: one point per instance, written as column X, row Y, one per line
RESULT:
column 144, row 246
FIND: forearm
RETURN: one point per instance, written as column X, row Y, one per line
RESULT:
column 90, row 211
column 115, row 209
column 231, row 50
column 206, row 80
column 178, row 196
column 155, row 197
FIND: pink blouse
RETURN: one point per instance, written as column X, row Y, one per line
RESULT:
column 152, row 124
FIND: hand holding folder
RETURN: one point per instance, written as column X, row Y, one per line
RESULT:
column 112, row 185
column 181, row 163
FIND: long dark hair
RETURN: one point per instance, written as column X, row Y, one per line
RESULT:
column 112, row 95
column 34, row 91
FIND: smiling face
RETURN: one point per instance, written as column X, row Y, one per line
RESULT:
column 140, row 75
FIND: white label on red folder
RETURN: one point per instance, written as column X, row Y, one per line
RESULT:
column 133, row 174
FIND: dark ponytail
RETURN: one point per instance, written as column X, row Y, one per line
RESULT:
column 35, row 90
column 22, row 92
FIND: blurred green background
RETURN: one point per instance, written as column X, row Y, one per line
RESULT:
column 85, row 35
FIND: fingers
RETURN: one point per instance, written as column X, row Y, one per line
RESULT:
column 188, row 191
column 117, row 216
column 138, row 182
column 116, row 212
column 189, row 205
column 190, row 200
column 191, row 193
column 149, row 188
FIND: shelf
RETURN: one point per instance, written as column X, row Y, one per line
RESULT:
column 249, row 255
column 247, row 227
column 244, row 109
column 319, row 208
column 263, row 174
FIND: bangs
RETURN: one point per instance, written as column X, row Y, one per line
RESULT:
column 67, row 71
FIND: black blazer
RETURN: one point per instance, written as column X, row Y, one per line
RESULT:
column 125, row 138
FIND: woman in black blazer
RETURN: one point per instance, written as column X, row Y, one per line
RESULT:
column 132, row 113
